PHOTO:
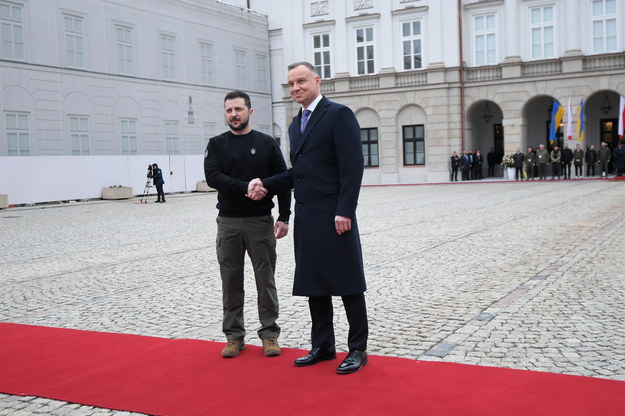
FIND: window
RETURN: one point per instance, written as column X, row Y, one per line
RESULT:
column 604, row 27
column 262, row 72
column 414, row 145
column 369, row 138
column 321, row 55
column 74, row 41
column 125, row 61
column 365, row 63
column 79, row 135
column 484, row 28
column 11, row 31
column 209, row 132
column 128, row 128
column 168, row 52
column 240, row 69
column 411, row 43
column 541, row 22
column 207, row 63
column 171, row 137
column 17, row 134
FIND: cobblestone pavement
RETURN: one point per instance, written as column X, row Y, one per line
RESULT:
column 518, row 275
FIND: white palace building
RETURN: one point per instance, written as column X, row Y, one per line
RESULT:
column 91, row 91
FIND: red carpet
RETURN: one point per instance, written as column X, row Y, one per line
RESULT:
column 189, row 377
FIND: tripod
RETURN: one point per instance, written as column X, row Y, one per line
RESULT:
column 146, row 190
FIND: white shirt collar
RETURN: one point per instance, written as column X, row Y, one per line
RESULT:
column 313, row 105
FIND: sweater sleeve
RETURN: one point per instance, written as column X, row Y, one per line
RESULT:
column 215, row 178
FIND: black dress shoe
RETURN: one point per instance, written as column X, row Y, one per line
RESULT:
column 354, row 361
column 315, row 355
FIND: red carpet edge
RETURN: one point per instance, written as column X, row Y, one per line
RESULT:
column 189, row 377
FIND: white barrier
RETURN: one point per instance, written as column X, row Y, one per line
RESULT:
column 36, row 179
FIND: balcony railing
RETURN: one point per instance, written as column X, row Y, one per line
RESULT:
column 541, row 68
column 545, row 68
column 487, row 73
column 364, row 83
column 602, row 62
column 411, row 79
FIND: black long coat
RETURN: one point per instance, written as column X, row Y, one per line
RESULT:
column 327, row 172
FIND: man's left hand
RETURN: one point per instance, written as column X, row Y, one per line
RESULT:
column 280, row 229
column 342, row 224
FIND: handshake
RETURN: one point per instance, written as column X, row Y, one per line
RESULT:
column 256, row 190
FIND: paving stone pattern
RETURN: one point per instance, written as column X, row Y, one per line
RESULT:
column 517, row 275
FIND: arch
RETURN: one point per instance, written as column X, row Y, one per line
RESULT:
column 76, row 102
column 483, row 127
column 601, row 118
column 367, row 117
column 536, row 114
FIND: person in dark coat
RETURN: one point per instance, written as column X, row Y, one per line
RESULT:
column 455, row 163
column 157, row 177
column 567, row 158
column 478, row 163
column 618, row 158
column 491, row 159
column 591, row 160
column 465, row 166
column 327, row 168
column 518, row 158
column 578, row 161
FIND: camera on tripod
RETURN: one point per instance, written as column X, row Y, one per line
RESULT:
column 150, row 172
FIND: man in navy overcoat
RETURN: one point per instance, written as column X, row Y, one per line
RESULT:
column 326, row 174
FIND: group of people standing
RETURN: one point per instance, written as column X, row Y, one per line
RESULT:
column 470, row 164
column 536, row 163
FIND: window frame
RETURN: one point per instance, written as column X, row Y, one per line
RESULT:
column 168, row 56
column 542, row 26
column 414, row 141
column 79, row 140
column 128, row 136
column 207, row 63
column 604, row 18
column 172, row 137
column 368, row 143
column 262, row 72
column 77, row 39
column 324, row 66
column 22, row 133
column 125, row 47
column 16, row 25
column 240, row 68
column 411, row 38
column 486, row 33
column 368, row 64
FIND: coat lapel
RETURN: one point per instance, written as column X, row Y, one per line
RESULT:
column 298, row 138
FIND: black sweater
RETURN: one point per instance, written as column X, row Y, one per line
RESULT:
column 231, row 161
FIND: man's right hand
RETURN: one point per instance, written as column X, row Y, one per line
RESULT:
column 255, row 190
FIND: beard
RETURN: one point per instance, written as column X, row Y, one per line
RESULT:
column 242, row 125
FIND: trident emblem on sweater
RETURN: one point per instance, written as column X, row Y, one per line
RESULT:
column 253, row 151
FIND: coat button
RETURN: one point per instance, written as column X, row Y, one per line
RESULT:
column 299, row 178
column 301, row 204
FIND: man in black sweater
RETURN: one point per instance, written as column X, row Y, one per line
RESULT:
column 231, row 160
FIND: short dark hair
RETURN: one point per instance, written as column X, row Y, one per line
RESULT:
column 239, row 94
column 306, row 64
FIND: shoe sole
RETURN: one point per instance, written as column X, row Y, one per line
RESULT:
column 272, row 353
column 328, row 358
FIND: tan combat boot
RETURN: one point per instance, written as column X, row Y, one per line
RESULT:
column 232, row 348
column 271, row 347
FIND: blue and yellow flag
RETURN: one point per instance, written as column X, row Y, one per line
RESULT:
column 556, row 119
column 580, row 121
